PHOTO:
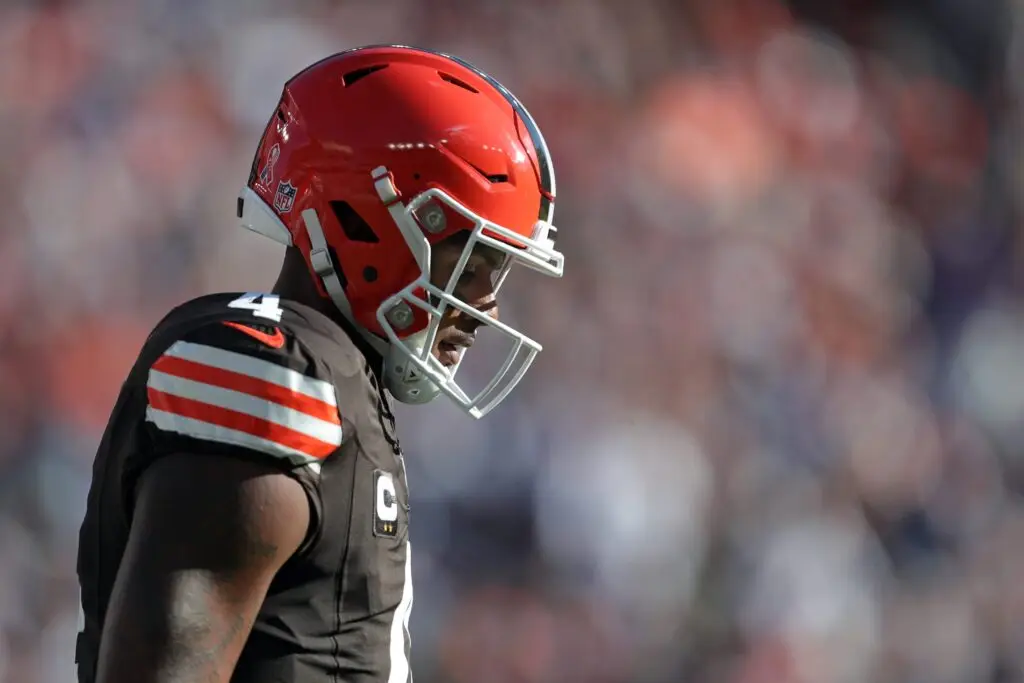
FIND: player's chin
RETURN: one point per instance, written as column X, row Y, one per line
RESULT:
column 447, row 354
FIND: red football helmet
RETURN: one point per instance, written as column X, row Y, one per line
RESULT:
column 375, row 154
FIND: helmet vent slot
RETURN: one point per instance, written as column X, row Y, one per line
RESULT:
column 495, row 178
column 455, row 81
column 352, row 224
column 353, row 76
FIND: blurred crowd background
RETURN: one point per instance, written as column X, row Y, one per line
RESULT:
column 776, row 432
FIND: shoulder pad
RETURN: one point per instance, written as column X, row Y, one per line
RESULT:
column 248, row 385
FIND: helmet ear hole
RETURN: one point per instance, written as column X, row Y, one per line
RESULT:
column 352, row 224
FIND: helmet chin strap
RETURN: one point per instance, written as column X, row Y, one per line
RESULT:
column 323, row 266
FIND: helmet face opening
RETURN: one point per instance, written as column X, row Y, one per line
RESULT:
column 536, row 253
column 416, row 146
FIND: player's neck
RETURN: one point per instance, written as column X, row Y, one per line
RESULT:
column 294, row 283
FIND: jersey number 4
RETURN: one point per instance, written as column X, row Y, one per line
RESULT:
column 261, row 305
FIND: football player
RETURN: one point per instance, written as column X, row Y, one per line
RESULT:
column 248, row 515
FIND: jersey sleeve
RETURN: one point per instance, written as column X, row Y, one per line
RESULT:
column 245, row 389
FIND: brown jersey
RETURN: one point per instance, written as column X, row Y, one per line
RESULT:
column 252, row 376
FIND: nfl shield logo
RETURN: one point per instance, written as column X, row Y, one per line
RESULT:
column 285, row 196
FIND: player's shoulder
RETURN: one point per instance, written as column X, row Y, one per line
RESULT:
column 294, row 330
column 248, row 371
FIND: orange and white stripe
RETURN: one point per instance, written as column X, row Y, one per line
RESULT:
column 217, row 395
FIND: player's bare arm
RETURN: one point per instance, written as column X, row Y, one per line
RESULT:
column 207, row 537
